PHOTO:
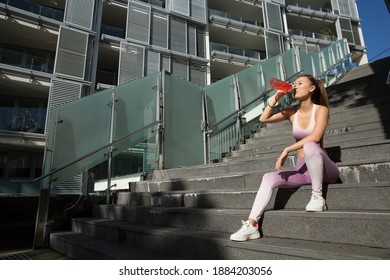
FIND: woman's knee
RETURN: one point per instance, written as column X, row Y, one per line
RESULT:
column 311, row 149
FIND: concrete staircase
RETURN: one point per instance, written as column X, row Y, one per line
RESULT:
column 189, row 213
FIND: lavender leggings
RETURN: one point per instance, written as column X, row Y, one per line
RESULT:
column 314, row 168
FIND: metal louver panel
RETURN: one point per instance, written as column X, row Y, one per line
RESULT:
column 61, row 92
column 180, row 6
column 191, row 39
column 159, row 30
column 152, row 62
column 346, row 30
column 72, row 53
column 198, row 9
column 178, row 35
column 179, row 68
column 273, row 44
column 198, row 74
column 274, row 17
column 131, row 62
column 138, row 22
column 80, row 12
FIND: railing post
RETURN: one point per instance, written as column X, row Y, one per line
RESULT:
column 111, row 148
column 42, row 215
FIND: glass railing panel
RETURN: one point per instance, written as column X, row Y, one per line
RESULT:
column 220, row 100
column 134, row 153
column 306, row 62
column 271, row 69
column 105, row 77
column 183, row 116
column 317, row 62
column 136, row 104
column 250, row 86
column 327, row 54
column 81, row 127
column 289, row 60
column 23, row 60
column 35, row 8
column 113, row 31
column 218, row 47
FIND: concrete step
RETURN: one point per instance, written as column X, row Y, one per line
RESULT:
column 346, row 150
column 196, row 244
column 365, row 195
column 86, row 247
column 332, row 135
column 248, row 173
column 334, row 226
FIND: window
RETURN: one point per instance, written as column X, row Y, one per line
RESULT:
column 20, row 166
column 2, row 165
column 27, row 115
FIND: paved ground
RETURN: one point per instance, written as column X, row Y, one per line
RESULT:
column 40, row 254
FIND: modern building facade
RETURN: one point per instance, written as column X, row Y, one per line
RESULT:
column 54, row 52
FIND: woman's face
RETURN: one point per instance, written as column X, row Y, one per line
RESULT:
column 303, row 88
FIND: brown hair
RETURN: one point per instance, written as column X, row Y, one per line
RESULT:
column 319, row 96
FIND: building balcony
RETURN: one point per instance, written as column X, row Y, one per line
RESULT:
column 35, row 9
column 23, row 59
column 312, row 37
column 310, row 10
column 220, row 52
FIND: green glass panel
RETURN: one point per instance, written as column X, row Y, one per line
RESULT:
column 317, row 63
column 271, row 69
column 306, row 62
column 290, row 62
column 249, row 83
column 220, row 99
column 82, row 127
column 183, row 114
column 136, row 153
column 136, row 105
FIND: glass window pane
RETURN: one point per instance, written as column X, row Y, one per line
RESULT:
column 20, row 166
column 7, row 107
column 2, row 165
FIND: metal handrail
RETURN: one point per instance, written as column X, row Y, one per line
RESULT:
column 95, row 151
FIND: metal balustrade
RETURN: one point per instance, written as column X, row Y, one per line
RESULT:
column 35, row 8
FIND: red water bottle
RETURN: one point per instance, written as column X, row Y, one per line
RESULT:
column 280, row 85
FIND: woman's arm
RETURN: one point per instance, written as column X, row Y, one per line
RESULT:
column 316, row 136
column 268, row 117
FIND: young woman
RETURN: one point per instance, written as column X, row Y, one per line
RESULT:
column 313, row 165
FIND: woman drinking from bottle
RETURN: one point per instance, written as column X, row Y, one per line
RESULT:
column 313, row 165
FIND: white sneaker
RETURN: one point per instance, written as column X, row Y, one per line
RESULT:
column 316, row 204
column 247, row 231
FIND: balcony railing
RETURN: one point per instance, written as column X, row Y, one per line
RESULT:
column 237, row 51
column 25, row 60
column 113, row 31
column 312, row 35
column 235, row 17
column 106, row 77
column 35, row 8
column 310, row 7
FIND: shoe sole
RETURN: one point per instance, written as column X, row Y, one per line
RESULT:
column 317, row 209
column 251, row 237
